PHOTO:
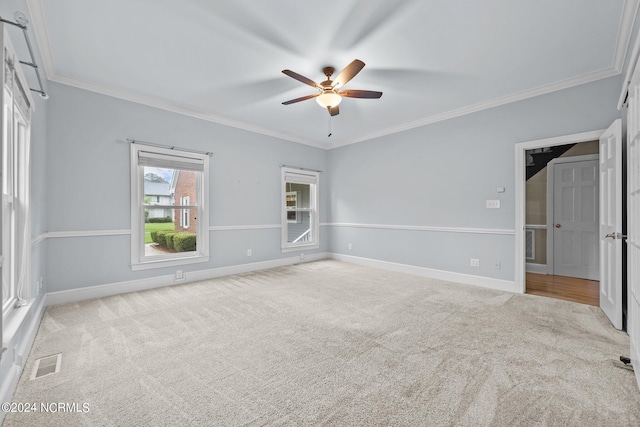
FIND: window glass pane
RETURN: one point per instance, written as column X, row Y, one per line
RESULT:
column 164, row 187
column 299, row 231
column 170, row 234
column 298, row 195
column 7, row 178
column 157, row 187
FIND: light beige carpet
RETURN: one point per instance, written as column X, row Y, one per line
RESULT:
column 330, row 343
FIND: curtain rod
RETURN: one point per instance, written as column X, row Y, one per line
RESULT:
column 170, row 147
column 22, row 24
column 299, row 168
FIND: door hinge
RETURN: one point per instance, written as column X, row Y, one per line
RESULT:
column 616, row 235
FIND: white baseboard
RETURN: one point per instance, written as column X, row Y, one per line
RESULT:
column 90, row 292
column 467, row 279
column 536, row 268
column 9, row 382
column 635, row 358
column 81, row 294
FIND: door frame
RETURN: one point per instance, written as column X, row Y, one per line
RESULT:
column 520, row 193
column 550, row 200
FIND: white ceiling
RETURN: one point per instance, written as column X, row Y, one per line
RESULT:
column 434, row 59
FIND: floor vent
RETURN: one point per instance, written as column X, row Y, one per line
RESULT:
column 46, row 366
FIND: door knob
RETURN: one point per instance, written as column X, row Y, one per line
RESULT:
column 558, row 226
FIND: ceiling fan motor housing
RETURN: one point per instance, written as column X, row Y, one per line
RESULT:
column 328, row 71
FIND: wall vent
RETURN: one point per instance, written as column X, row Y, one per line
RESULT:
column 46, row 366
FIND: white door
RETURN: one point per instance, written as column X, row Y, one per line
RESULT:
column 611, row 223
column 575, row 219
column 633, row 222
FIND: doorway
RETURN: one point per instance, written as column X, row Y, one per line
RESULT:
column 536, row 227
column 561, row 205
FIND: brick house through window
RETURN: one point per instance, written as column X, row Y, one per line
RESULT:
column 183, row 183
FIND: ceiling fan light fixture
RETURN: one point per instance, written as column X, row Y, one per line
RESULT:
column 329, row 99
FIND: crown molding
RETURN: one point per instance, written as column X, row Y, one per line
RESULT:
column 508, row 99
column 627, row 22
column 162, row 104
column 38, row 23
column 167, row 106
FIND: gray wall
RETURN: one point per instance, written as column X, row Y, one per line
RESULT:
column 440, row 175
column 89, row 168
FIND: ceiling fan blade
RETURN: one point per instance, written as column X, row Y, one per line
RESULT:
column 333, row 111
column 370, row 94
column 300, row 78
column 348, row 73
column 303, row 98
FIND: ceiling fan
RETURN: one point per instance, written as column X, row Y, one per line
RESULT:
column 329, row 91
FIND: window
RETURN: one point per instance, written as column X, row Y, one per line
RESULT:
column 175, row 229
column 15, row 229
column 299, row 209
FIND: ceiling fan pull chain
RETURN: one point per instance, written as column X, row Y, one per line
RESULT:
column 329, row 126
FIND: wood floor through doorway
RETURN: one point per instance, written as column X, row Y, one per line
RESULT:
column 566, row 288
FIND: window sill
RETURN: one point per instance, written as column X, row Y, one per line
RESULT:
column 12, row 323
column 148, row 265
column 300, row 248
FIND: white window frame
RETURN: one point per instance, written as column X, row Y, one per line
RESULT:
column 17, row 108
column 297, row 176
column 140, row 261
column 186, row 213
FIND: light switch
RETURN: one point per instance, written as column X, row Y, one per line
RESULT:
column 493, row 204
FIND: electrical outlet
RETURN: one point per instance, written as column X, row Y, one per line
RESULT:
column 493, row 204
column 350, row 246
column 179, row 275
column 475, row 262
column 497, row 265
column 249, row 253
